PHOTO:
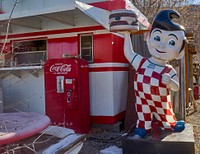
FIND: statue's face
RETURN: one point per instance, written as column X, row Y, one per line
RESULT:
column 165, row 45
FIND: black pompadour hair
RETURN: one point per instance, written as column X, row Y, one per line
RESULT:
column 163, row 20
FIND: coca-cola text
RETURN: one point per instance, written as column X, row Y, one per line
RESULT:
column 60, row 68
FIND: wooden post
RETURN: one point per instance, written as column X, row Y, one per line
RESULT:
column 186, row 74
column 130, row 118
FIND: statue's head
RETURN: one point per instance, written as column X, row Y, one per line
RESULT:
column 167, row 39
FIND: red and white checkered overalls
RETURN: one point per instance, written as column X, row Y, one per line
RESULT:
column 152, row 96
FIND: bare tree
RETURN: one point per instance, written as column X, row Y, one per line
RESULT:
column 151, row 7
column 190, row 16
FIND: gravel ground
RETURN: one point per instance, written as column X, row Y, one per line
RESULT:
column 194, row 119
column 99, row 139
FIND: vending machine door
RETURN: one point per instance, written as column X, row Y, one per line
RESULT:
column 67, row 93
column 71, row 93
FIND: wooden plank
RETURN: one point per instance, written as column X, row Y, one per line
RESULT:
column 130, row 118
column 72, row 145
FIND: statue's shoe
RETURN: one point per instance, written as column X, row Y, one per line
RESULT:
column 141, row 132
column 180, row 126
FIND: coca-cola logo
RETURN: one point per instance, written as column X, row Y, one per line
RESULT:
column 60, row 68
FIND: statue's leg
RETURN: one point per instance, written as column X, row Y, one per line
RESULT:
column 144, row 117
column 166, row 118
column 168, row 122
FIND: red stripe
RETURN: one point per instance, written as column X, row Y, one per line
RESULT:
column 108, row 119
column 110, row 5
column 29, row 39
column 106, row 69
column 51, row 32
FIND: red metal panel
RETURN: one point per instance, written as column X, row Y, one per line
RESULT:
column 108, row 48
column 54, row 48
column 118, row 49
column 67, row 93
column 103, row 48
column 59, row 46
column 70, row 46
column 110, row 5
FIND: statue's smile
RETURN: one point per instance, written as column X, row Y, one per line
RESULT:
column 160, row 51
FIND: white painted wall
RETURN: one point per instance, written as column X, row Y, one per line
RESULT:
column 108, row 93
column 24, row 94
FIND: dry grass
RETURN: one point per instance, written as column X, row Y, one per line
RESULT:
column 194, row 119
column 31, row 145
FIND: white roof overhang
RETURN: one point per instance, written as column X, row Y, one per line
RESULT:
column 35, row 19
column 65, row 15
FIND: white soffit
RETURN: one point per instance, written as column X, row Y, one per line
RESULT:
column 24, row 9
column 99, row 15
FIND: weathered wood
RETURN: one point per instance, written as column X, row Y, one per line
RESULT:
column 130, row 118
column 72, row 145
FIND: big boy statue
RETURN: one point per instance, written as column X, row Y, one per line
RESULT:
column 155, row 78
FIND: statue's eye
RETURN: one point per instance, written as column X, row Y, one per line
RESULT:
column 157, row 38
column 172, row 42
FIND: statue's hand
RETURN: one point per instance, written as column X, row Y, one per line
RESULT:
column 166, row 79
column 123, row 32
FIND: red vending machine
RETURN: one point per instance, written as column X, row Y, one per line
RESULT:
column 67, row 93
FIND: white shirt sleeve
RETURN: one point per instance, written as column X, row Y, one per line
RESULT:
column 174, row 75
column 136, row 60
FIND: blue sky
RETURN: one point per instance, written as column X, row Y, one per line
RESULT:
column 196, row 1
